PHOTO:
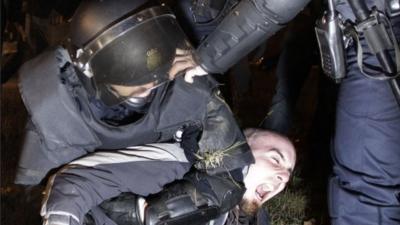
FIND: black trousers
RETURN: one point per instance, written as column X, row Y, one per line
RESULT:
column 365, row 187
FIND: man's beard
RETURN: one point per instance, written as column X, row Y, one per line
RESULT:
column 250, row 208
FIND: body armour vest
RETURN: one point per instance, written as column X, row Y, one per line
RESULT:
column 59, row 108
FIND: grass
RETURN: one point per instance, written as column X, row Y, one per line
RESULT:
column 289, row 207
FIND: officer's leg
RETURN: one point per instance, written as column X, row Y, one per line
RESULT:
column 292, row 70
column 365, row 188
column 87, row 182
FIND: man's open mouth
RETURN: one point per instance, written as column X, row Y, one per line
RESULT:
column 262, row 191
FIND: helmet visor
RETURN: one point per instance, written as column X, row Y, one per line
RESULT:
column 140, row 57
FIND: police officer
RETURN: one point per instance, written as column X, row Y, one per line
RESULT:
column 118, row 85
column 365, row 187
column 117, row 89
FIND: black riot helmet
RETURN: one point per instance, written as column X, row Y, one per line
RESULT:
column 124, row 43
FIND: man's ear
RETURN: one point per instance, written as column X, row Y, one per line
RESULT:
column 276, row 190
column 248, row 132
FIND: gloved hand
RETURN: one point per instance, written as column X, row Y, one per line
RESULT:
column 195, row 200
column 184, row 62
column 126, row 209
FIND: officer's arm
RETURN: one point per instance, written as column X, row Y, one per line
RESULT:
column 196, row 199
column 248, row 25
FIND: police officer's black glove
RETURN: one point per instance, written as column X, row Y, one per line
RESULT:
column 195, row 200
column 124, row 209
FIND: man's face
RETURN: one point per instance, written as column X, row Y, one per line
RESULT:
column 274, row 161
